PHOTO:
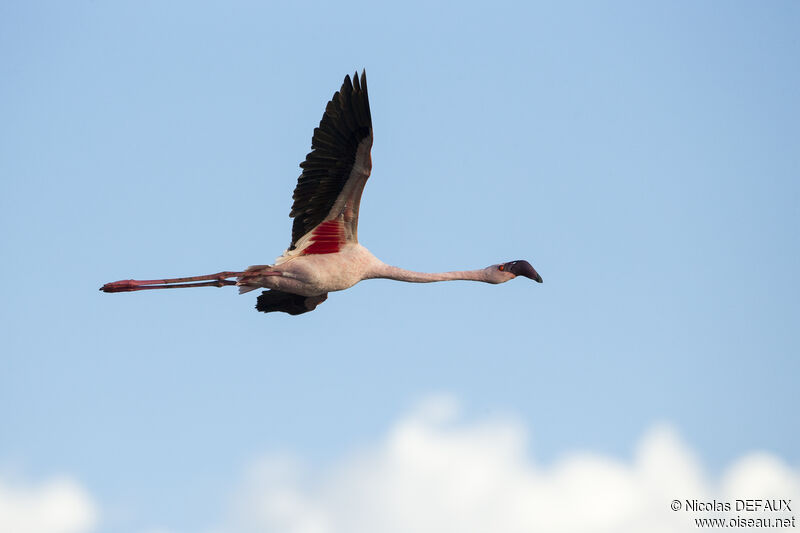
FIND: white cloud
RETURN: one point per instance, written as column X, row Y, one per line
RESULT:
column 59, row 505
column 432, row 473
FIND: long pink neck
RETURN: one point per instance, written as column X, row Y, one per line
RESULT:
column 400, row 274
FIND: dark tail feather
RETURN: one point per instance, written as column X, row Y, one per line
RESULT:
column 286, row 302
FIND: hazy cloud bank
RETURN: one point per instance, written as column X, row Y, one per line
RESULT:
column 59, row 505
column 433, row 472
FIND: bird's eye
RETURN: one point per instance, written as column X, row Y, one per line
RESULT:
column 501, row 268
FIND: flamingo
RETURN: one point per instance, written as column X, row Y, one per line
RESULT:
column 325, row 255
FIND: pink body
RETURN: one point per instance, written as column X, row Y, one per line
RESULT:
column 316, row 274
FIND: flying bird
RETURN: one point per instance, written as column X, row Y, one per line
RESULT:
column 325, row 255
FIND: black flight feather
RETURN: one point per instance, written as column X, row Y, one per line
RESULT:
column 345, row 123
column 285, row 302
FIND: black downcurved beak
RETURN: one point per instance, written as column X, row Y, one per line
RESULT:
column 523, row 268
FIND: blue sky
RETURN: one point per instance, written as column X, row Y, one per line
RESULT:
column 642, row 156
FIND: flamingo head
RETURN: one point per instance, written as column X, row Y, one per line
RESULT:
column 503, row 272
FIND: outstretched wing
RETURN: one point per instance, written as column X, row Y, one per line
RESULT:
column 328, row 192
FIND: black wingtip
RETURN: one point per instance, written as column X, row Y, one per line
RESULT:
column 357, row 82
column 347, row 86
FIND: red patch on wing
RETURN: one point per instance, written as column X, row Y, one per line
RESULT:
column 327, row 238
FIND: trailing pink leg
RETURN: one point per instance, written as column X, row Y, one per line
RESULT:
column 220, row 279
